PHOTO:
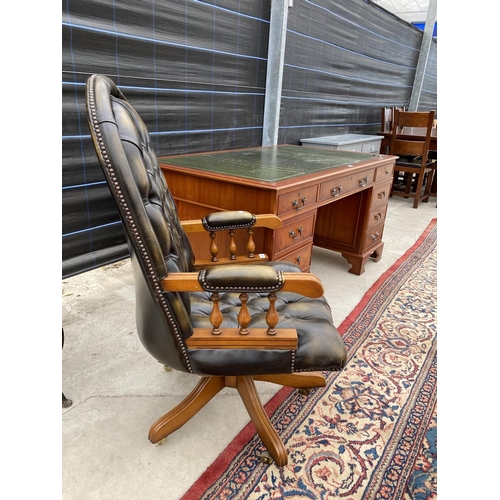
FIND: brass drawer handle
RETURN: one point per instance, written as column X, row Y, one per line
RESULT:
column 336, row 191
column 378, row 216
column 298, row 259
column 381, row 195
column 363, row 182
column 375, row 236
column 293, row 234
column 296, row 204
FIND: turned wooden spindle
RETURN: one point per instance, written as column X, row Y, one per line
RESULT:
column 272, row 315
column 213, row 246
column 215, row 315
column 250, row 244
column 244, row 315
column 232, row 245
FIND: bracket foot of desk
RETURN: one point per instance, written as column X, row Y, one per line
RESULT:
column 358, row 261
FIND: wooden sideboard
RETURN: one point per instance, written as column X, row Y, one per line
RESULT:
column 332, row 199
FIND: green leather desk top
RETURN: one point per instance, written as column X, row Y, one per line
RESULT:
column 268, row 164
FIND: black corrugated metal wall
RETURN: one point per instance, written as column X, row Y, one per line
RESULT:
column 196, row 72
column 344, row 60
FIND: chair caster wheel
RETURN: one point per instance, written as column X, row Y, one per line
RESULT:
column 167, row 368
column 305, row 392
column 266, row 458
column 160, row 442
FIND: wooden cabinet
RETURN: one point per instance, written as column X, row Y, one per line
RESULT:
column 333, row 199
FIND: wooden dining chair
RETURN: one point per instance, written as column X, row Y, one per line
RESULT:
column 386, row 117
column 413, row 163
column 433, row 158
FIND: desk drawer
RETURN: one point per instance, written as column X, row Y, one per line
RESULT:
column 377, row 215
column 371, row 146
column 384, row 172
column 301, row 257
column 357, row 147
column 335, row 147
column 297, row 200
column 343, row 185
column 294, row 233
column 381, row 194
column 374, row 235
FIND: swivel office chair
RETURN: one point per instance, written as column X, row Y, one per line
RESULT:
column 227, row 324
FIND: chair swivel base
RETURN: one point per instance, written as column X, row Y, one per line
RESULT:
column 208, row 387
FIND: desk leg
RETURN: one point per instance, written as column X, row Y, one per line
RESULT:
column 376, row 255
column 358, row 261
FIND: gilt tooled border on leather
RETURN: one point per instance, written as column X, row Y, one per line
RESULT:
column 247, row 289
column 228, row 227
column 128, row 216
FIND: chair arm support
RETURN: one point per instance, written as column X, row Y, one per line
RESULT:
column 231, row 219
column 305, row 284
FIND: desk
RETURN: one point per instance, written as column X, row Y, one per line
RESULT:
column 333, row 199
column 409, row 133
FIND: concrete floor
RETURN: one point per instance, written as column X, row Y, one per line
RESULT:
column 118, row 390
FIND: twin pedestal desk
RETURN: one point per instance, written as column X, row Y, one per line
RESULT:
column 332, row 199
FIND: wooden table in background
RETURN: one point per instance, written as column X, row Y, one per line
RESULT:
column 332, row 199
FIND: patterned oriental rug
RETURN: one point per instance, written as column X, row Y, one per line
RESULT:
column 371, row 433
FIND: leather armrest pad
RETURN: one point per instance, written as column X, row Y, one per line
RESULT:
column 232, row 219
column 235, row 278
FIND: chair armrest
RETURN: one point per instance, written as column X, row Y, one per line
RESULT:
column 231, row 219
column 305, row 284
column 244, row 279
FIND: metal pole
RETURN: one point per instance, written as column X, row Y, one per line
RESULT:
column 425, row 48
column 274, row 76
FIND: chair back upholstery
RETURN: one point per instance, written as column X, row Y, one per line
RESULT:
column 159, row 246
column 157, row 243
column 404, row 145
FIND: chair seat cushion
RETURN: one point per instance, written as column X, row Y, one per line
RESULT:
column 320, row 344
column 411, row 161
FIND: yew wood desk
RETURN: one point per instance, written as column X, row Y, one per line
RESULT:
column 333, row 199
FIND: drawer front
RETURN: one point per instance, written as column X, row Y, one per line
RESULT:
column 301, row 257
column 384, row 172
column 358, row 147
column 294, row 233
column 374, row 235
column 381, row 194
column 297, row 200
column 319, row 146
column 371, row 146
column 377, row 216
column 343, row 185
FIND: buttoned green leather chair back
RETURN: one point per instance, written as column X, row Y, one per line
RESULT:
column 158, row 246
